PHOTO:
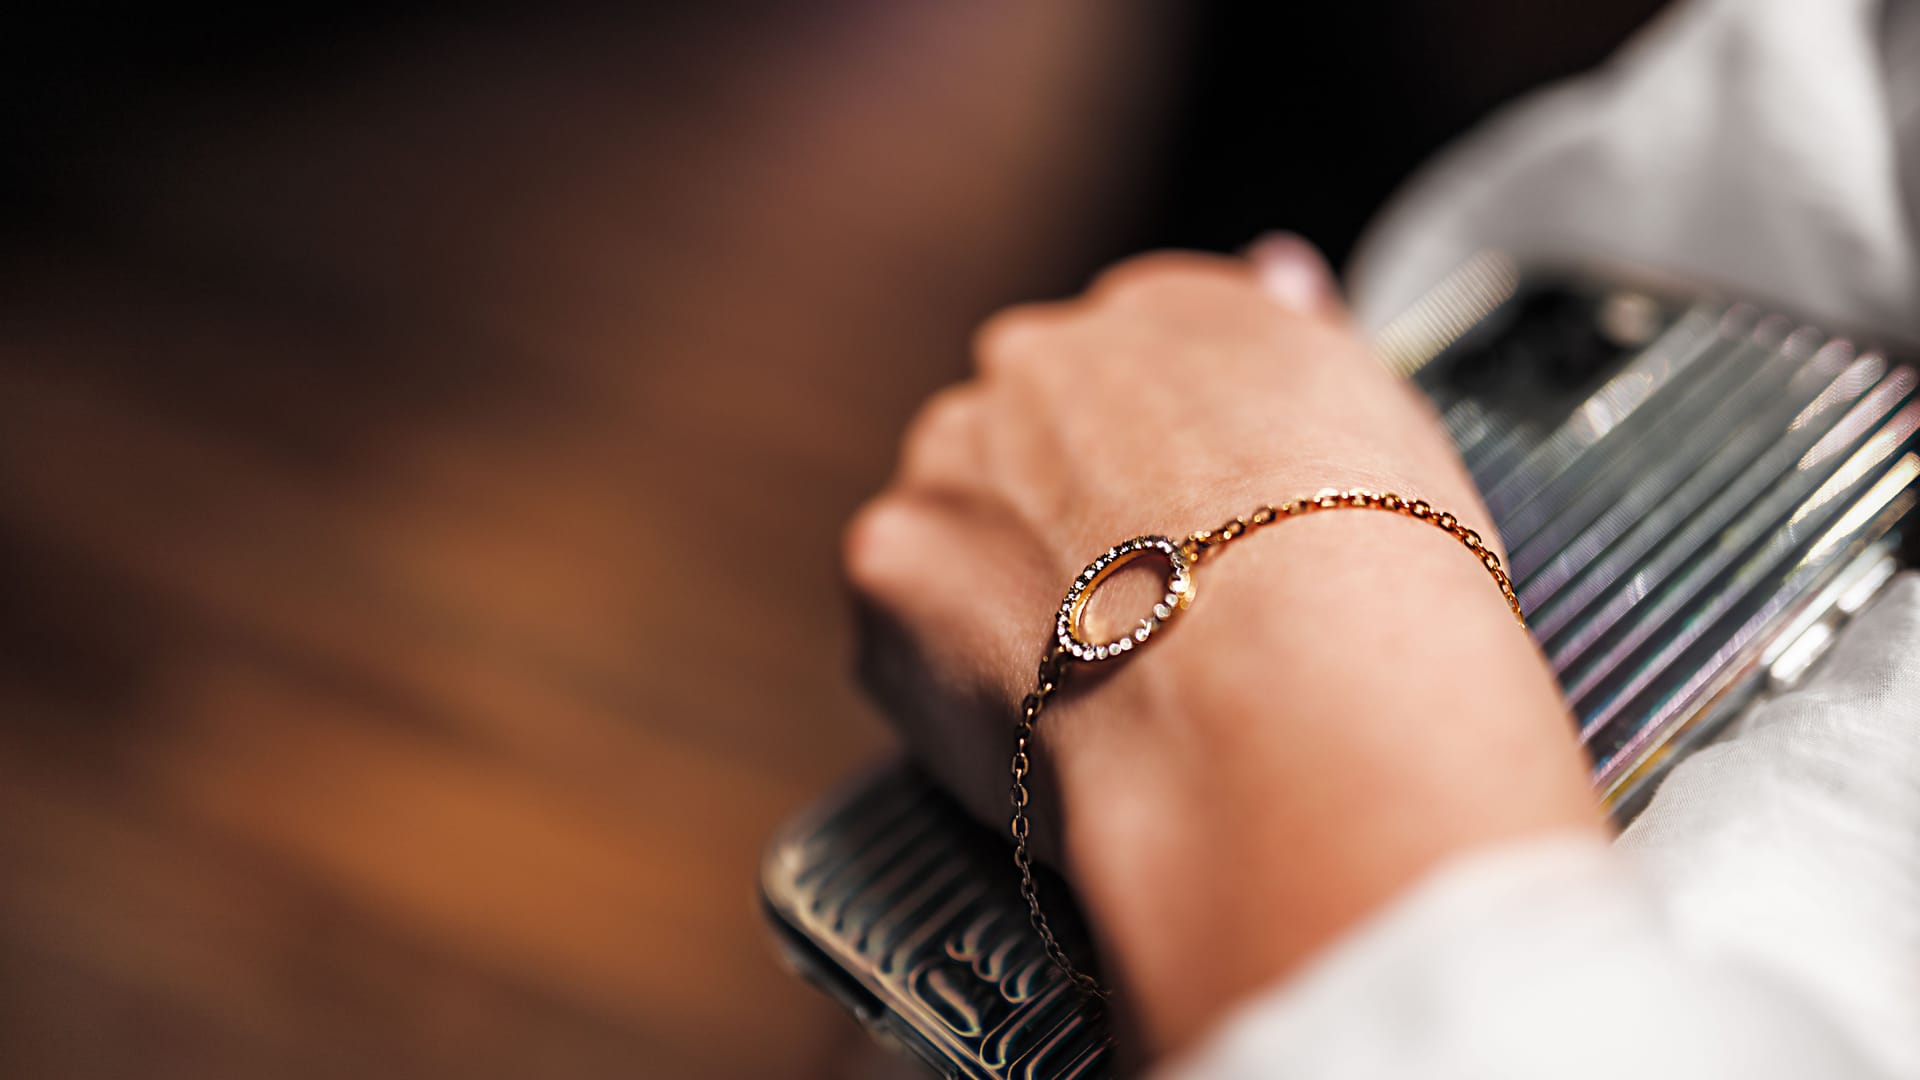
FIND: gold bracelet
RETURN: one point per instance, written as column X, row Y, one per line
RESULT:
column 1071, row 643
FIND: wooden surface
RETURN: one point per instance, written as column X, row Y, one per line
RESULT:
column 420, row 478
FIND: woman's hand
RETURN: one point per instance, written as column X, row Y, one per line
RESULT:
column 1348, row 700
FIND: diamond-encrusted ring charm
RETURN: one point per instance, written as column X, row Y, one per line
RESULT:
column 1178, row 594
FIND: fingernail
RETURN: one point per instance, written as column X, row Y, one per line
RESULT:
column 1292, row 271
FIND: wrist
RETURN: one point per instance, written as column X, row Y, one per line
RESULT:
column 1300, row 748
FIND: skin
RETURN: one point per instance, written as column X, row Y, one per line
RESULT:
column 1348, row 702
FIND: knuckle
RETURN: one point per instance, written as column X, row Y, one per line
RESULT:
column 1011, row 338
column 946, row 408
column 872, row 541
column 940, row 428
column 1159, row 271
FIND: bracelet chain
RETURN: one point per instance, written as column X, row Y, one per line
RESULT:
column 1197, row 547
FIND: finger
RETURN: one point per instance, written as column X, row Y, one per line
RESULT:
column 964, row 442
column 945, row 641
column 1016, row 339
column 1294, row 274
column 1156, row 271
column 943, row 445
column 961, row 574
column 951, row 733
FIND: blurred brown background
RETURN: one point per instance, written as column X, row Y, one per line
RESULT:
column 423, row 444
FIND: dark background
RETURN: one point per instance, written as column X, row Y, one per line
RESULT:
column 1265, row 115
column 423, row 442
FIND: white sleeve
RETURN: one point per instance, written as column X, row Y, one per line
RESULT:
column 1761, row 920
column 1766, row 145
column 1797, row 841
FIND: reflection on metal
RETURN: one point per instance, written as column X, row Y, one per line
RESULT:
column 1459, row 303
column 1806, row 637
column 1692, row 517
column 919, row 938
column 1701, row 335
column 1631, row 319
column 1890, row 489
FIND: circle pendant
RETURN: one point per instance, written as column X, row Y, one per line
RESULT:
column 1177, row 595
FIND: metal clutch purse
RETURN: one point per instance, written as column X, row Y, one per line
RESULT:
column 1695, row 493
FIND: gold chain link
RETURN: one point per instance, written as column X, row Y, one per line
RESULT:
column 1197, row 547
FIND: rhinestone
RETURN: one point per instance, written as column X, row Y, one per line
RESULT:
column 1179, row 584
